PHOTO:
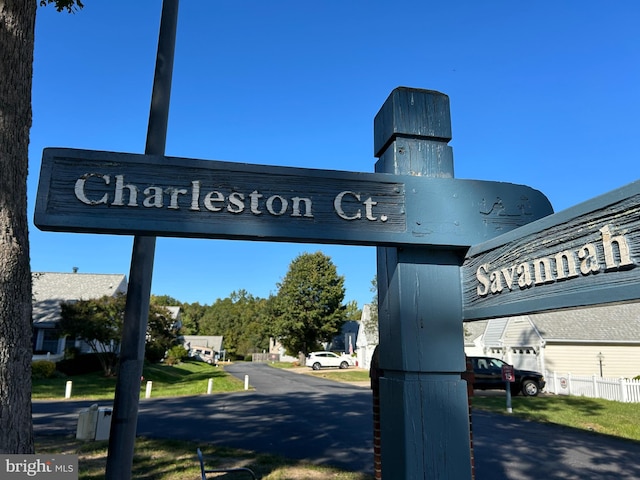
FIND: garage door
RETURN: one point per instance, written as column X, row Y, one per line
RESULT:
column 525, row 358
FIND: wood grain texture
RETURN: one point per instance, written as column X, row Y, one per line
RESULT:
column 599, row 238
column 210, row 199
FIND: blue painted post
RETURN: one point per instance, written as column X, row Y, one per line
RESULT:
column 424, row 412
column 127, row 396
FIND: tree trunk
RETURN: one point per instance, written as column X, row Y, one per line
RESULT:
column 17, row 20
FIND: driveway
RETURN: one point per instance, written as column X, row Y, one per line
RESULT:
column 300, row 416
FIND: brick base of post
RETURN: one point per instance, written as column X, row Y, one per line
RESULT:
column 375, row 373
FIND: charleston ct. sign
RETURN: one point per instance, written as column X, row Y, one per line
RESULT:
column 118, row 193
column 585, row 255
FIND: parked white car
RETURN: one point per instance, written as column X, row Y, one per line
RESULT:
column 318, row 360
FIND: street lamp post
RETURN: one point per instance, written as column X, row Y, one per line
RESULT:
column 600, row 357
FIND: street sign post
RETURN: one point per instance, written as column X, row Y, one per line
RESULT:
column 448, row 250
column 508, row 377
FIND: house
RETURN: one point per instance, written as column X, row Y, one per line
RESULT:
column 50, row 289
column 213, row 342
column 603, row 340
column 367, row 339
column 345, row 341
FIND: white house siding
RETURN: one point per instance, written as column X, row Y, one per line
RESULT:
column 474, row 350
column 367, row 338
column 522, row 344
column 520, row 332
column 494, row 331
column 619, row 360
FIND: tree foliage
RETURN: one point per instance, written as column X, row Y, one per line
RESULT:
column 71, row 6
column 99, row 324
column 241, row 319
column 308, row 308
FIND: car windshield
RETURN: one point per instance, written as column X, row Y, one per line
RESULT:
column 495, row 362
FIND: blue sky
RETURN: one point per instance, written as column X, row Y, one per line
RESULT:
column 545, row 94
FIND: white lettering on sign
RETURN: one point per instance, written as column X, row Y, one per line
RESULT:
column 348, row 205
column 609, row 254
column 356, row 214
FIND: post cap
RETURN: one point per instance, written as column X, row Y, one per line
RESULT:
column 412, row 112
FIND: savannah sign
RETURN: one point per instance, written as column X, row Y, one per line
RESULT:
column 585, row 255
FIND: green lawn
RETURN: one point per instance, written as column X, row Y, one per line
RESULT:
column 187, row 378
column 592, row 414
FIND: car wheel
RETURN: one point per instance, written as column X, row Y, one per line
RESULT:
column 530, row 388
column 344, row 365
column 316, row 366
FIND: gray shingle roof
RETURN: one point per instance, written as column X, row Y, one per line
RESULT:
column 612, row 323
column 49, row 289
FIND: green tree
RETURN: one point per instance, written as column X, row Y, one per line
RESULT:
column 165, row 301
column 241, row 320
column 162, row 333
column 99, row 324
column 17, row 30
column 308, row 307
column 352, row 312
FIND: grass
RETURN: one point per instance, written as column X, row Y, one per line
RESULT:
column 187, row 378
column 336, row 374
column 592, row 414
column 177, row 460
column 348, row 375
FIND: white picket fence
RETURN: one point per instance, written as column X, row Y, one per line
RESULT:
column 618, row 389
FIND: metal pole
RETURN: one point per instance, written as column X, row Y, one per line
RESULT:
column 127, row 396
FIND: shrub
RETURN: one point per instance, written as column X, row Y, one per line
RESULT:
column 176, row 354
column 86, row 363
column 43, row 369
column 154, row 352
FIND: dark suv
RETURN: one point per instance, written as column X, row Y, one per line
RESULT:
column 487, row 372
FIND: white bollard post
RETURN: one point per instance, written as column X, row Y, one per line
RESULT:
column 246, row 382
column 210, row 386
column 67, row 390
column 147, row 393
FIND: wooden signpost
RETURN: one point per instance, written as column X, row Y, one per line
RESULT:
column 423, row 222
column 586, row 255
column 118, row 193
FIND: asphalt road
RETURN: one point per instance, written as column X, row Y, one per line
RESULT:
column 304, row 417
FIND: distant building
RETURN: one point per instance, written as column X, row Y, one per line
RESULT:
column 367, row 339
column 51, row 289
column 577, row 341
column 213, row 342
